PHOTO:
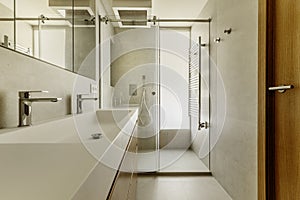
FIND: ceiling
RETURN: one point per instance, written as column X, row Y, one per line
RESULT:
column 170, row 9
column 177, row 8
column 32, row 8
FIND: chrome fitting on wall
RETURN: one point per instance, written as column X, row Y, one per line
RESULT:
column 105, row 19
column 228, row 31
column 217, row 40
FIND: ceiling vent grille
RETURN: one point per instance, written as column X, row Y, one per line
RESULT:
column 133, row 17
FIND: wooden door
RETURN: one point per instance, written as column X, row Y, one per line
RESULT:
column 287, row 105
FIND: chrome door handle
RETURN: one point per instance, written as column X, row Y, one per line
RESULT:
column 281, row 88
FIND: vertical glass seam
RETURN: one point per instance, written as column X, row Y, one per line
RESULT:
column 15, row 27
column 73, row 36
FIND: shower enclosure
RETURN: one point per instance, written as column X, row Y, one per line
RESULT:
column 135, row 77
column 165, row 73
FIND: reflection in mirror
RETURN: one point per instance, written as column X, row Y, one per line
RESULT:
column 46, row 29
column 24, row 39
column 84, row 51
column 85, row 41
column 7, row 34
column 84, row 38
column 43, row 29
column 36, row 8
column 7, row 24
column 53, row 42
column 6, row 8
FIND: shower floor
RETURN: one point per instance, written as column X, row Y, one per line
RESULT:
column 171, row 160
column 187, row 162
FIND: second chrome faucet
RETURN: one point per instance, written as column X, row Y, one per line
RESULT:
column 80, row 99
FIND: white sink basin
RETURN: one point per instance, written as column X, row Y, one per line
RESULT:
column 38, row 161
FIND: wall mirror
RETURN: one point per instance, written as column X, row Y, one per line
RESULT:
column 60, row 32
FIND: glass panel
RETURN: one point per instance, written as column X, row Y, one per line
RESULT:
column 85, row 40
column 6, row 8
column 54, row 42
column 175, row 137
column 183, row 148
column 134, row 76
column 201, row 138
column 44, row 30
column 24, row 36
column 7, row 23
column 36, row 8
column 7, row 34
column 204, row 153
column 85, row 52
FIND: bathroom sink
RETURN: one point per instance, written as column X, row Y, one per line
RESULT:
column 113, row 121
column 62, row 153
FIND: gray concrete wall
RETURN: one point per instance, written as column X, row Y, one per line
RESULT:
column 234, row 156
column 19, row 72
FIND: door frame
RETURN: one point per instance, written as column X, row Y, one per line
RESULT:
column 266, row 139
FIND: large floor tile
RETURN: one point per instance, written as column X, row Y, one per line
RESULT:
column 180, row 188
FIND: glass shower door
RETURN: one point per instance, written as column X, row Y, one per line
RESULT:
column 134, row 76
column 174, row 137
column 200, row 72
column 184, row 100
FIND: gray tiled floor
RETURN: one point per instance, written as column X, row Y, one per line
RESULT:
column 180, row 188
column 171, row 160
